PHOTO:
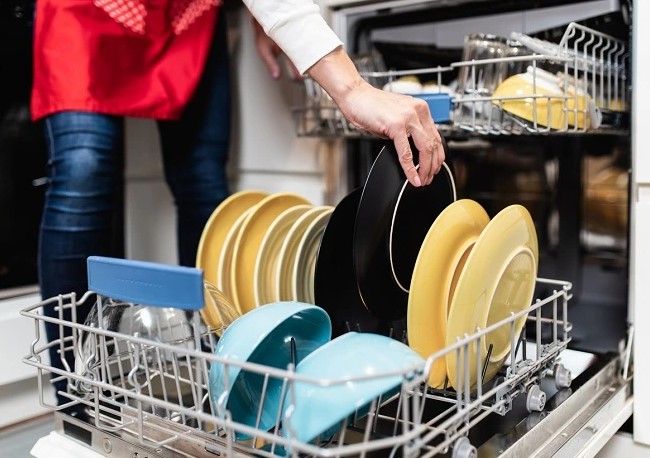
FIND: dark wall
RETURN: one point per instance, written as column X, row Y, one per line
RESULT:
column 22, row 149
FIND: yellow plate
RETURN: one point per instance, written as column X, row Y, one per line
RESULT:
column 440, row 260
column 225, row 268
column 248, row 245
column 549, row 105
column 267, row 257
column 304, row 264
column 213, row 238
column 288, row 251
column 498, row 279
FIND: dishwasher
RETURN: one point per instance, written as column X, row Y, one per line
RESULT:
column 554, row 395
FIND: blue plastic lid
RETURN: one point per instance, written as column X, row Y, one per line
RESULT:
column 146, row 283
column 439, row 105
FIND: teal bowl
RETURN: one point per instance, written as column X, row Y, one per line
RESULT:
column 263, row 336
column 318, row 411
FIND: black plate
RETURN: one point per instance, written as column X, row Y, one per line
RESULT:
column 335, row 286
column 392, row 221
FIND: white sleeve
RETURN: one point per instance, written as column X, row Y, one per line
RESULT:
column 297, row 27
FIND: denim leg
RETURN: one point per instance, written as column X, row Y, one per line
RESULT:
column 195, row 150
column 83, row 212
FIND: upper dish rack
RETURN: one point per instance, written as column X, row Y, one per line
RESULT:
column 577, row 85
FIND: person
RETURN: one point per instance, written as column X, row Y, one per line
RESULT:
column 98, row 62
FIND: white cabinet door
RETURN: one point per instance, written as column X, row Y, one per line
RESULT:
column 19, row 396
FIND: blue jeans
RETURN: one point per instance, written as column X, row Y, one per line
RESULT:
column 83, row 212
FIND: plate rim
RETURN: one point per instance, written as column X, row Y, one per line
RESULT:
column 392, row 223
column 298, row 210
column 291, row 242
column 310, row 239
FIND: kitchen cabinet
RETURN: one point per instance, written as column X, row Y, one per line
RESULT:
column 19, row 390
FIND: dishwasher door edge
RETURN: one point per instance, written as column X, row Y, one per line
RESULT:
column 581, row 425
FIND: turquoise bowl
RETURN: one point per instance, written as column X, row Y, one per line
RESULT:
column 263, row 336
column 315, row 411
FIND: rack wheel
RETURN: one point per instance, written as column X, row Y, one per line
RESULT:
column 463, row 449
column 562, row 377
column 536, row 399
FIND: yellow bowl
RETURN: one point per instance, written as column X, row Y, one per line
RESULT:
column 546, row 99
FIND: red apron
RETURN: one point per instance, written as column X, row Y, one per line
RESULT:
column 140, row 58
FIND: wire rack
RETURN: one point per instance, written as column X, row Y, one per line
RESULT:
column 588, row 68
column 157, row 395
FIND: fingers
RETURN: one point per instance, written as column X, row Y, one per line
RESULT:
column 269, row 57
column 427, row 140
column 438, row 152
column 405, row 156
column 267, row 50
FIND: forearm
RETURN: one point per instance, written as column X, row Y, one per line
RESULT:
column 337, row 75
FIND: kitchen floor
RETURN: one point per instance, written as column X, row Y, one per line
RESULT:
column 16, row 441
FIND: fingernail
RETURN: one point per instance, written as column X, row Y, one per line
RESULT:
column 417, row 181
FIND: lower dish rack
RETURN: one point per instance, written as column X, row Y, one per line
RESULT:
column 155, row 397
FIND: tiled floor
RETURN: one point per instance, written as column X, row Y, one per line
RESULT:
column 16, row 441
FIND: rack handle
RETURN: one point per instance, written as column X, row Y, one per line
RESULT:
column 146, row 283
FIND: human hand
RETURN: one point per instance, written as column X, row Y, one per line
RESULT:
column 398, row 117
column 270, row 52
column 384, row 114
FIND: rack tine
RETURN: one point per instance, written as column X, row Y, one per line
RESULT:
column 485, row 363
column 294, row 357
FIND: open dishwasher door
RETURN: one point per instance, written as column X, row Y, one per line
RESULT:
column 553, row 171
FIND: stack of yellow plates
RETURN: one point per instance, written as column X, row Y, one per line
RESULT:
column 471, row 272
column 304, row 264
column 213, row 239
column 249, row 241
column 286, row 261
column 265, row 280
